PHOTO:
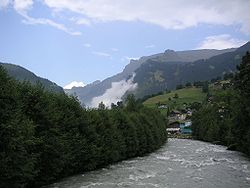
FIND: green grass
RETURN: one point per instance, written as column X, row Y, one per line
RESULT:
column 186, row 95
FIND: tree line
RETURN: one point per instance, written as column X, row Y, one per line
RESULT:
column 225, row 117
column 46, row 136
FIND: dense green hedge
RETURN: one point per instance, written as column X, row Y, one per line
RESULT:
column 226, row 119
column 46, row 136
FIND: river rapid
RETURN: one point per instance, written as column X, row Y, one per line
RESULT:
column 179, row 163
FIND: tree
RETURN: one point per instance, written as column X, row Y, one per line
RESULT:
column 180, row 86
column 205, row 87
column 198, row 84
column 46, row 136
column 228, row 76
column 101, row 106
column 226, row 117
column 242, row 77
column 188, row 84
column 17, row 157
column 131, row 103
column 176, row 96
column 242, row 85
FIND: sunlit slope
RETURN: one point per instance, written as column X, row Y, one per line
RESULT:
column 185, row 95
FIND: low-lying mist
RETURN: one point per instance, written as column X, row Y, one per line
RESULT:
column 115, row 93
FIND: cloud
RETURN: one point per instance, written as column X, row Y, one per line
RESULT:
column 126, row 58
column 22, row 6
column 103, row 54
column 115, row 93
column 114, row 49
column 150, row 46
column 87, row 45
column 81, row 21
column 220, row 42
column 178, row 14
column 43, row 21
column 4, row 3
column 74, row 84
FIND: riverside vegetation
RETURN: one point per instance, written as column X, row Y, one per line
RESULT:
column 45, row 136
column 225, row 118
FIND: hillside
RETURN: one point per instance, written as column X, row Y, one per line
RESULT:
column 143, row 68
column 185, row 96
column 224, row 118
column 22, row 74
column 155, row 76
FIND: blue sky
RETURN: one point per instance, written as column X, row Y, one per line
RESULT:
column 88, row 40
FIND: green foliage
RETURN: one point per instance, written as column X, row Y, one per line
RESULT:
column 176, row 96
column 188, row 84
column 45, row 136
column 185, row 96
column 175, row 73
column 226, row 117
column 180, row 86
column 205, row 87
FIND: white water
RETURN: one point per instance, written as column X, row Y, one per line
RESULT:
column 180, row 164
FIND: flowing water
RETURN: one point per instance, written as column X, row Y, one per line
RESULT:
column 179, row 163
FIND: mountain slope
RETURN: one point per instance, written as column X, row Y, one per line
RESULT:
column 170, row 61
column 155, row 76
column 22, row 74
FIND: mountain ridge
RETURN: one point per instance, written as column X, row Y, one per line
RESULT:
column 22, row 74
column 169, row 57
column 181, row 73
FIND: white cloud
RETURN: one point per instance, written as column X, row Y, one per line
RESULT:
column 115, row 93
column 87, row 45
column 178, row 14
column 103, row 54
column 83, row 21
column 74, row 84
column 44, row 21
column 22, row 6
column 80, row 21
column 4, row 3
column 220, row 42
column 150, row 46
column 114, row 49
column 126, row 58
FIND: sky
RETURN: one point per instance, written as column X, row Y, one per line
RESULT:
column 82, row 41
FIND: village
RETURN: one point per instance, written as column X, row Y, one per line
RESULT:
column 178, row 109
column 179, row 125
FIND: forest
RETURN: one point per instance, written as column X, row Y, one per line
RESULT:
column 46, row 136
column 224, row 119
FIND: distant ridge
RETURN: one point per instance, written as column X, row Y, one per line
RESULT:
column 166, row 70
column 22, row 74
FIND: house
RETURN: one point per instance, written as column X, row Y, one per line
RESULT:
column 174, row 113
column 177, row 115
column 163, row 106
column 174, row 128
column 185, row 127
column 189, row 112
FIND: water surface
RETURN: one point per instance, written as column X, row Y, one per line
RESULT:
column 179, row 163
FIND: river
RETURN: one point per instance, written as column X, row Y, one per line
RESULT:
column 179, row 163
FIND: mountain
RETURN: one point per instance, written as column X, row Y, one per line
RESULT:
column 155, row 76
column 22, row 74
column 166, row 70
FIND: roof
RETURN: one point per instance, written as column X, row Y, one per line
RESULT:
column 175, row 124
